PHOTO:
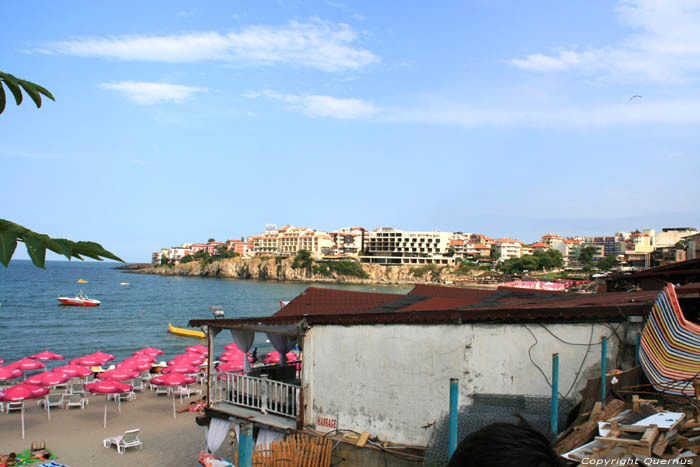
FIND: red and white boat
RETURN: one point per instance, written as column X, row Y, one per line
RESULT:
column 79, row 300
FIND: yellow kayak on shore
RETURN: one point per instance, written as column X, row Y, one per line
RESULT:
column 185, row 332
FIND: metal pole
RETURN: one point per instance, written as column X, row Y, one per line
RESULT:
column 454, row 395
column 603, row 369
column 637, row 349
column 555, row 394
column 245, row 445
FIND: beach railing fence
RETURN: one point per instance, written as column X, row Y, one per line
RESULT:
column 258, row 393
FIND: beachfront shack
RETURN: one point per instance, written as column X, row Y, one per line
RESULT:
column 381, row 363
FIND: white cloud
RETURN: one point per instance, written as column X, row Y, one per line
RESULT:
column 152, row 93
column 665, row 45
column 320, row 106
column 634, row 113
column 317, row 44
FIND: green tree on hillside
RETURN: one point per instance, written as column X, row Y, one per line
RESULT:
column 586, row 257
column 607, row 263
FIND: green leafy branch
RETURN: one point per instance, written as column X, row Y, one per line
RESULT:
column 37, row 244
column 15, row 85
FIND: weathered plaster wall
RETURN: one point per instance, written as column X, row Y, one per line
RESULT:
column 394, row 380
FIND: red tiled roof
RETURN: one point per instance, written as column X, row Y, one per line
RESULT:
column 479, row 246
column 320, row 301
column 539, row 245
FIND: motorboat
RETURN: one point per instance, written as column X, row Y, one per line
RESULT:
column 79, row 300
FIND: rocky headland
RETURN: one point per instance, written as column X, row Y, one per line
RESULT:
column 275, row 268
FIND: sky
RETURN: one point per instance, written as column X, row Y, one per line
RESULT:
column 178, row 121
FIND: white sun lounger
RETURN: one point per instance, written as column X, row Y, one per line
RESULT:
column 130, row 439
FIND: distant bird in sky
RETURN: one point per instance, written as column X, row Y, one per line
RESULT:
column 636, row 95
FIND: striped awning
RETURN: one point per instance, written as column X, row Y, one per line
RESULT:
column 670, row 346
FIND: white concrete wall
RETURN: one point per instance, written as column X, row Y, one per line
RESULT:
column 393, row 380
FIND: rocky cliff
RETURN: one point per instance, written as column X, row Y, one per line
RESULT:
column 281, row 269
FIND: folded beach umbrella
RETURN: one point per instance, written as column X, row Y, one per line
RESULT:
column 20, row 393
column 153, row 352
column 199, row 348
column 74, row 371
column 172, row 379
column 7, row 373
column 107, row 387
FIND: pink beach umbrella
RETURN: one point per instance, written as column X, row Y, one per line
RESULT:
column 27, row 364
column 106, row 357
column 87, row 360
column 118, row 374
column 2, row 360
column 172, row 379
column 230, row 366
column 140, row 358
column 8, row 373
column 107, row 387
column 46, row 356
column 74, row 371
column 153, row 352
column 20, row 393
column 274, row 357
column 48, row 379
column 136, row 365
column 231, row 346
column 199, row 348
column 180, row 368
column 189, row 359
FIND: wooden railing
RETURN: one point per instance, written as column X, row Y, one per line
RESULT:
column 257, row 393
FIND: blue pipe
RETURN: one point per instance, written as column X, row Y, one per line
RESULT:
column 603, row 369
column 454, row 395
column 637, row 348
column 245, row 445
column 555, row 394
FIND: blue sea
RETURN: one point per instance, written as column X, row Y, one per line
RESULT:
column 131, row 316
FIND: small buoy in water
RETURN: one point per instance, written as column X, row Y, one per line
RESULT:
column 123, row 283
column 143, row 312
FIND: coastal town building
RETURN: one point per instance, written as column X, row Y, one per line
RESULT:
column 289, row 240
column 393, row 246
column 551, row 239
column 506, row 248
column 348, row 241
column 241, row 247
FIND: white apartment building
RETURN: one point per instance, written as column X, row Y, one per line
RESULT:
column 393, row 246
column 348, row 241
column 507, row 248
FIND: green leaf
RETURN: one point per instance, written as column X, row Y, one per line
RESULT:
column 2, row 98
column 44, row 91
column 32, row 91
column 13, row 86
column 61, row 246
column 36, row 247
column 8, row 243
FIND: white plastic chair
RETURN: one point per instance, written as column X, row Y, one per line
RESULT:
column 51, row 400
column 129, row 439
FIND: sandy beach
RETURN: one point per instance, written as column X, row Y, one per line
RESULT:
column 75, row 435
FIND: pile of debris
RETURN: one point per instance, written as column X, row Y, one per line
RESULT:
column 641, row 431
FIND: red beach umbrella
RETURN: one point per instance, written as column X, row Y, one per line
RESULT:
column 135, row 365
column 74, row 371
column 22, row 392
column 118, row 374
column 180, row 369
column 48, row 378
column 103, row 356
column 172, row 379
column 140, row 358
column 190, row 359
column 27, row 364
column 153, row 352
column 231, row 346
column 46, row 356
column 230, row 366
column 108, row 387
column 199, row 348
column 87, row 360
column 7, row 373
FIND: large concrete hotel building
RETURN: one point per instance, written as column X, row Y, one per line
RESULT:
column 392, row 246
